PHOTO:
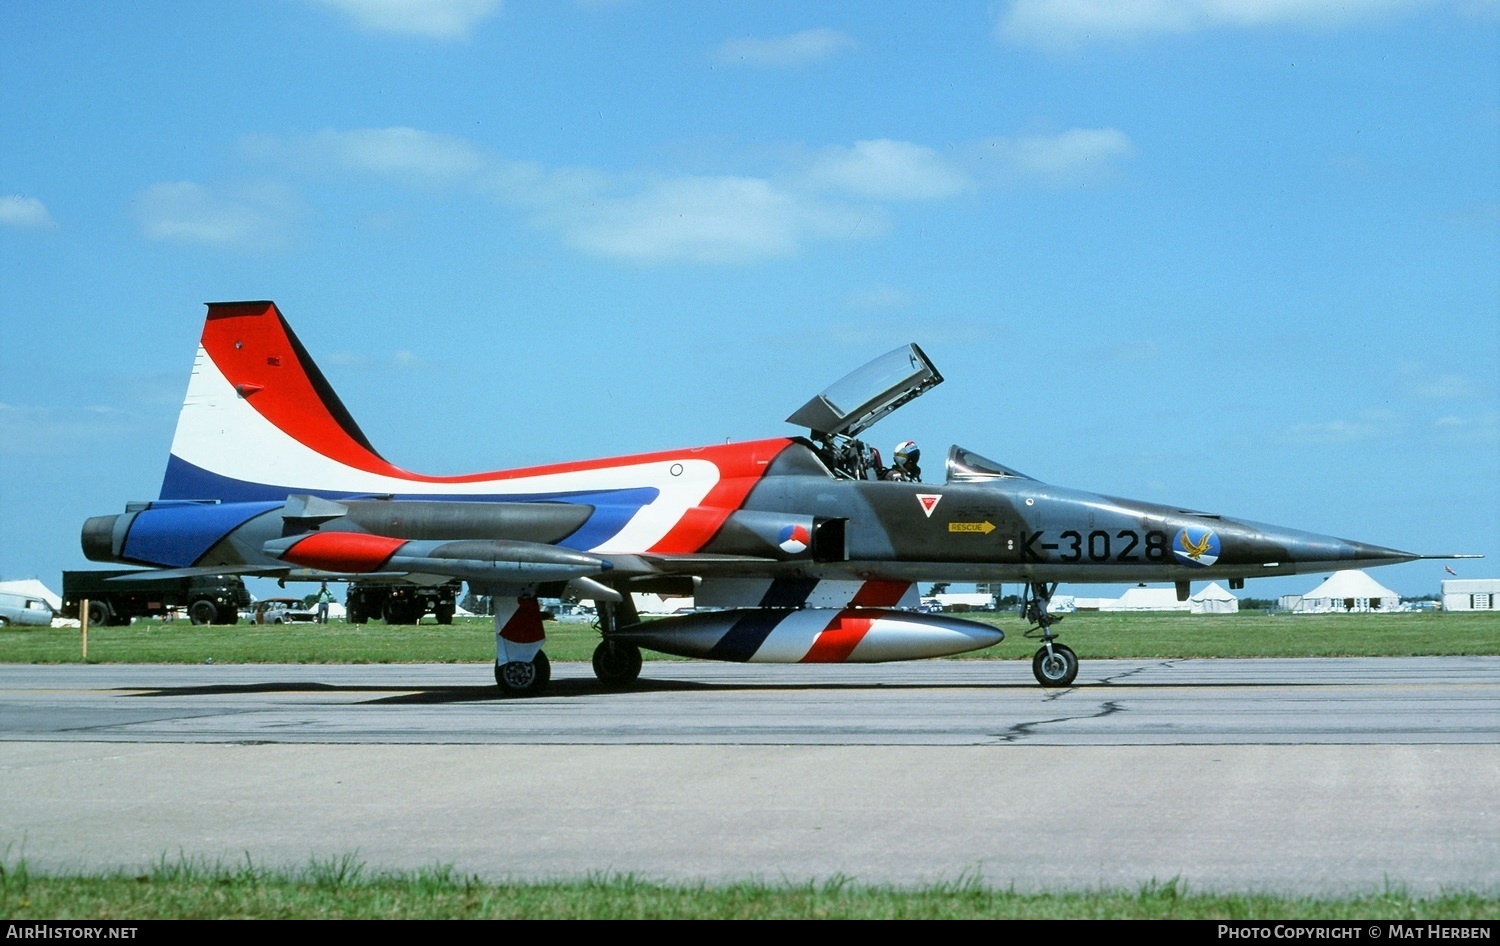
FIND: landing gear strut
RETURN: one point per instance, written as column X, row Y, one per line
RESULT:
column 1055, row 665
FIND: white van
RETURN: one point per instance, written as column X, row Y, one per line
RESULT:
column 24, row 611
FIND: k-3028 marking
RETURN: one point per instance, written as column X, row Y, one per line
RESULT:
column 1097, row 546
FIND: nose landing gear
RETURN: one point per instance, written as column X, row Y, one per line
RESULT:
column 1055, row 665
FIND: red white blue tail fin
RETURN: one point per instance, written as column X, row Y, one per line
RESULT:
column 260, row 418
column 261, row 422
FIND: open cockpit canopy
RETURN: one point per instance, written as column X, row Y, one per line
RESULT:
column 867, row 394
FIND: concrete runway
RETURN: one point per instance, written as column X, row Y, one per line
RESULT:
column 1315, row 776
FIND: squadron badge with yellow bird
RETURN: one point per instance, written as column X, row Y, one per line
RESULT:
column 1197, row 547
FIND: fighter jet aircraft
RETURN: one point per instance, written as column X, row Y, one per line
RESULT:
column 797, row 548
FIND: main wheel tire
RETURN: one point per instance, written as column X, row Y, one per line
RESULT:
column 444, row 614
column 1056, row 669
column 99, row 613
column 203, row 611
column 523, row 678
column 617, row 662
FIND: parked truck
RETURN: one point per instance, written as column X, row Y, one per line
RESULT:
column 207, row 599
column 401, row 603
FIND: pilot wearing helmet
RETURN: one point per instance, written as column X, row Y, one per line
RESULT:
column 904, row 463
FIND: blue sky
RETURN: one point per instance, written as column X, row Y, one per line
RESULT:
column 1242, row 255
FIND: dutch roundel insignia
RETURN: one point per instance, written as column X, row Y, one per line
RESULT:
column 929, row 502
column 793, row 539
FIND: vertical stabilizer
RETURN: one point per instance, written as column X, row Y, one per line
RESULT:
column 259, row 418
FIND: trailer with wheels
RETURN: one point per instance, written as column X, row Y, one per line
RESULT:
column 116, row 596
column 401, row 603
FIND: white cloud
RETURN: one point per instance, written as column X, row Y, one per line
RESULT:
column 531, row 184
column 26, row 213
column 250, row 217
column 1075, row 156
column 1369, row 425
column 888, row 170
column 46, row 431
column 1480, row 428
column 435, row 19
column 837, row 193
column 401, row 360
column 1065, row 23
column 1429, row 385
column 398, row 152
column 879, row 297
column 706, row 220
column 403, row 153
column 782, row 51
column 703, row 219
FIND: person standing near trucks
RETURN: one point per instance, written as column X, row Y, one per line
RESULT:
column 324, row 597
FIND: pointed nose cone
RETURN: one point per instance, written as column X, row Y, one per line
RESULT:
column 1361, row 555
column 1308, row 552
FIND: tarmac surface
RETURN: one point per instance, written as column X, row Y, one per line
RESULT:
column 1318, row 776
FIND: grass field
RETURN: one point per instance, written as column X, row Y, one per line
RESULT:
column 342, row 888
column 1091, row 634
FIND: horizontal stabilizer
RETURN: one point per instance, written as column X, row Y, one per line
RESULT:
column 152, row 574
column 311, row 510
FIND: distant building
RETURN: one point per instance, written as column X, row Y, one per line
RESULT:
column 1472, row 594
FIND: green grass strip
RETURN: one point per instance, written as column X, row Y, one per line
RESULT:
column 471, row 640
column 343, row 888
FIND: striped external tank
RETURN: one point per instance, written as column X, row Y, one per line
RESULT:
column 810, row 635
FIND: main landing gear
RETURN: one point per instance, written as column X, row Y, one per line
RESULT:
column 521, row 668
column 524, row 677
column 1055, row 665
column 617, row 663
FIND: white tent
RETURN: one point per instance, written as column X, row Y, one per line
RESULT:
column 1345, row 591
column 1214, row 600
column 1146, row 599
column 32, row 588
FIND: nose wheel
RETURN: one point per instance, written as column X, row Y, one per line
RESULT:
column 1055, row 665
